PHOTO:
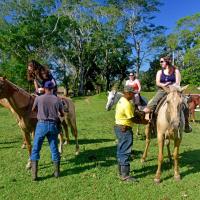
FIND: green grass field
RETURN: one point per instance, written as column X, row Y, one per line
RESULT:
column 93, row 174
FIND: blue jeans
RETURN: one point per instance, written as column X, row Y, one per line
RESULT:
column 50, row 130
column 125, row 142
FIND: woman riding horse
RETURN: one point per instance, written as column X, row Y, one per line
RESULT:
column 168, row 75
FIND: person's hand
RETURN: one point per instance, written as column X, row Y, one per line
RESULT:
column 41, row 90
column 166, row 84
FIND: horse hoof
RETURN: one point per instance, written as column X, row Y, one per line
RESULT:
column 177, row 178
column 28, row 166
column 77, row 153
column 23, row 146
column 156, row 180
column 142, row 161
column 65, row 143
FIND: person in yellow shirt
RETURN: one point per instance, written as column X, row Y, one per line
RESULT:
column 124, row 118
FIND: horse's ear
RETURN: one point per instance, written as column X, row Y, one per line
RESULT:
column 184, row 88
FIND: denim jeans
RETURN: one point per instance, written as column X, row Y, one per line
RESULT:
column 125, row 142
column 50, row 130
column 158, row 96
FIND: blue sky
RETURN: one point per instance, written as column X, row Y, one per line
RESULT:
column 173, row 10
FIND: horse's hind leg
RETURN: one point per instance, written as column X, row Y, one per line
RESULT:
column 75, row 134
column 65, row 126
column 177, row 176
column 27, row 138
column 61, row 139
column 147, row 133
column 137, row 131
column 167, row 142
column 24, row 143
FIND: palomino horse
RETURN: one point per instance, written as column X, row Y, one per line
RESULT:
column 21, row 102
column 170, row 125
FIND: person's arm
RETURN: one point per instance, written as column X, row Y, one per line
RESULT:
column 178, row 77
column 139, row 85
column 36, row 85
column 35, row 104
column 158, row 83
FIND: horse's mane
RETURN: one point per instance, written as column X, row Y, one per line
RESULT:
column 18, row 88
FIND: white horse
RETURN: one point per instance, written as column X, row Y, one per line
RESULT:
column 113, row 98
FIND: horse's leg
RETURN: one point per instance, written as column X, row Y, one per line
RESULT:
column 147, row 133
column 167, row 142
column 24, row 143
column 75, row 133
column 160, row 156
column 61, row 139
column 27, row 138
column 65, row 126
column 193, row 115
column 177, row 176
column 137, row 131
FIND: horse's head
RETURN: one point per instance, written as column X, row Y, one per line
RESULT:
column 2, row 87
column 113, row 97
column 175, row 101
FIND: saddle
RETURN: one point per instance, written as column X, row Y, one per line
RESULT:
column 139, row 116
column 154, row 113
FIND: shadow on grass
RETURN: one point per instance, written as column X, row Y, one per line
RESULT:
column 189, row 159
column 102, row 157
column 90, row 141
column 8, row 147
column 11, row 142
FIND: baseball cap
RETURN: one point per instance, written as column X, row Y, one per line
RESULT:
column 49, row 85
column 128, row 89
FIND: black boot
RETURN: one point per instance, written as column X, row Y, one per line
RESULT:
column 125, row 170
column 119, row 170
column 57, row 169
column 34, row 168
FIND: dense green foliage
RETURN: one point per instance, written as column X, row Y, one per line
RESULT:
column 90, row 44
column 93, row 174
column 94, row 42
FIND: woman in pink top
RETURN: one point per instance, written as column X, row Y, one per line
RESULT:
column 135, row 83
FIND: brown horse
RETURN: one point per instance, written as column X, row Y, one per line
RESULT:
column 170, row 123
column 21, row 103
column 5, row 104
column 193, row 102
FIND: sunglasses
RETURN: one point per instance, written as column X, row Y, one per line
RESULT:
column 162, row 61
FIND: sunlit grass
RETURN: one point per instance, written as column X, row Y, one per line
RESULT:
column 93, row 173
